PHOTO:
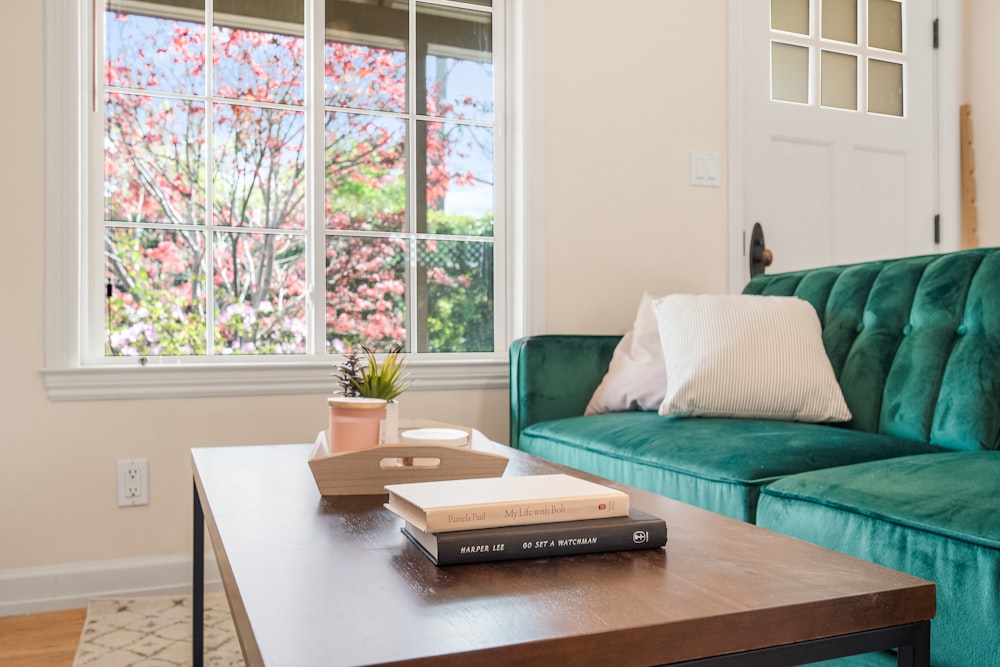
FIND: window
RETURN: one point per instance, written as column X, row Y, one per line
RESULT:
column 839, row 54
column 268, row 184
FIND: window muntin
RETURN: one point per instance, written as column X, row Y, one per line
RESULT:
column 385, row 283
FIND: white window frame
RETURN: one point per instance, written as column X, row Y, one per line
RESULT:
column 68, row 376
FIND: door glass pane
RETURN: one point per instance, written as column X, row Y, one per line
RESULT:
column 454, row 63
column 365, row 55
column 259, row 160
column 154, row 159
column 885, row 25
column 365, row 172
column 789, row 73
column 156, row 305
column 261, row 65
column 259, row 309
column 154, row 53
column 839, row 75
column 455, row 281
column 365, row 293
column 790, row 16
column 885, row 87
column 459, row 179
column 840, row 20
column 260, row 288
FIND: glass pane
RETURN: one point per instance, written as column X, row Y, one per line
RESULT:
column 839, row 75
column 260, row 285
column 459, row 178
column 248, row 12
column 455, row 62
column 458, row 297
column 153, row 160
column 262, row 66
column 259, row 167
column 365, row 55
column 840, row 20
column 365, row 172
column 885, row 25
column 157, row 301
column 789, row 73
column 885, row 87
column 365, row 293
column 481, row 3
column 156, row 53
column 790, row 16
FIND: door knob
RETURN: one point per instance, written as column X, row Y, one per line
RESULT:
column 761, row 257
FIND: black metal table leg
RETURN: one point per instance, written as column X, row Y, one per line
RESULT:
column 917, row 654
column 198, row 584
column 912, row 641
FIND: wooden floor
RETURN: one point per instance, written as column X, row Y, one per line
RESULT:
column 41, row 640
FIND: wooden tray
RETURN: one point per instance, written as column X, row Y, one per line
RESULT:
column 367, row 471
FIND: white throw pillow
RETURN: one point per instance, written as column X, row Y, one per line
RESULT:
column 635, row 379
column 746, row 356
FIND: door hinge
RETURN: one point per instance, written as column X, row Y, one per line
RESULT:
column 936, row 32
column 937, row 228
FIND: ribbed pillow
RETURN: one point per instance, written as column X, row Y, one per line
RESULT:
column 746, row 356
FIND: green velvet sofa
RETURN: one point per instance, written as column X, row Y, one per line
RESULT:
column 911, row 482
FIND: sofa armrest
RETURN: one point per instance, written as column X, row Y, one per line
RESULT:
column 554, row 376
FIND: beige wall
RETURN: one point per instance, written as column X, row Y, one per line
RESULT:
column 620, row 218
column 626, row 103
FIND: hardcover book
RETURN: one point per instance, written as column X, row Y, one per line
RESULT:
column 464, row 504
column 638, row 530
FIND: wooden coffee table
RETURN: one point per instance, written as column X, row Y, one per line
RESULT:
column 332, row 581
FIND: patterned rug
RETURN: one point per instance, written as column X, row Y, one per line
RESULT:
column 155, row 631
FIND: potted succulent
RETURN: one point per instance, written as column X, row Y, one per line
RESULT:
column 366, row 412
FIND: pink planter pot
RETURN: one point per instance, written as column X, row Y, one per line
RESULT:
column 355, row 423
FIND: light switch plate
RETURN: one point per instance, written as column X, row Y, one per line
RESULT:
column 706, row 168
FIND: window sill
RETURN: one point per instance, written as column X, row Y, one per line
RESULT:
column 253, row 379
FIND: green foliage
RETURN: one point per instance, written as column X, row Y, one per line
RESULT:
column 439, row 222
column 383, row 380
column 460, row 291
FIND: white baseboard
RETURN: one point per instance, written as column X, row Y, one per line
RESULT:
column 31, row 590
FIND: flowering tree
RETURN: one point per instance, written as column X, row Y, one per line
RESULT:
column 212, row 189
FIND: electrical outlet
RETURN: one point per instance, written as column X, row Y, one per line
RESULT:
column 133, row 482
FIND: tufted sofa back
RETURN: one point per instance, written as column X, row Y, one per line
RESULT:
column 915, row 342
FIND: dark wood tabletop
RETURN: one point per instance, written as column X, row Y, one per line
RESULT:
column 316, row 580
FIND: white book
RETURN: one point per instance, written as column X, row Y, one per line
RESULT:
column 464, row 504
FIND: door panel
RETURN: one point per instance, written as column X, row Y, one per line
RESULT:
column 879, row 218
column 800, row 191
column 831, row 169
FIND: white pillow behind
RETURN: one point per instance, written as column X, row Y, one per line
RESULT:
column 636, row 379
column 746, row 356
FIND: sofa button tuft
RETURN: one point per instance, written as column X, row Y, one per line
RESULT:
column 962, row 330
column 908, row 329
column 861, row 327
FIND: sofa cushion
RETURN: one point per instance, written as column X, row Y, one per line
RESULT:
column 718, row 464
column 934, row 516
column 749, row 356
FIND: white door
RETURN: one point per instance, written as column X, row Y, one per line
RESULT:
column 838, row 129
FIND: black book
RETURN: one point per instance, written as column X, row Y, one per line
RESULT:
column 638, row 530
